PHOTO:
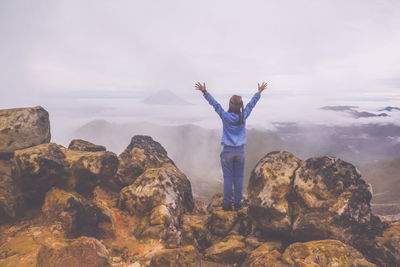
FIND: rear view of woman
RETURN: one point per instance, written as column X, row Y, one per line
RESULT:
column 233, row 140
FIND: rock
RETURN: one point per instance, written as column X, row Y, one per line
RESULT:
column 160, row 215
column 215, row 203
column 270, row 259
column 385, row 250
column 18, row 248
column 231, row 250
column 253, row 242
column 12, row 203
column 171, row 237
column 324, row 253
column 159, row 186
column 77, row 215
column 199, row 207
column 308, row 200
column 243, row 225
column 23, row 127
column 268, row 189
column 142, row 153
column 194, row 231
column 37, row 169
column 86, row 170
column 222, row 222
column 84, row 251
column 82, row 145
column 267, row 254
column 332, row 200
column 185, row 256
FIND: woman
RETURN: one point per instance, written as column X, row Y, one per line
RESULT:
column 233, row 140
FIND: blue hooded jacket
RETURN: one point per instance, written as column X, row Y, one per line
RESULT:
column 234, row 134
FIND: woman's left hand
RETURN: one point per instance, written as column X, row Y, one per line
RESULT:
column 262, row 87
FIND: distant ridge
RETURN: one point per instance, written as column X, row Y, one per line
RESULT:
column 390, row 109
column 165, row 97
column 356, row 114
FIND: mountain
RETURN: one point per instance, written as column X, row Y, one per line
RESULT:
column 385, row 176
column 189, row 144
column 354, row 113
column 390, row 109
column 165, row 97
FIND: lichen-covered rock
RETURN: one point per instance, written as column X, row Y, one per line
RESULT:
column 215, row 203
column 23, row 127
column 12, row 202
column 267, row 254
column 231, row 250
column 385, row 250
column 19, row 248
column 269, row 188
column 309, row 200
column 324, row 253
column 37, row 169
column 160, row 215
column 86, row 170
column 158, row 186
column 82, row 252
column 194, row 231
column 186, row 256
column 142, row 153
column 331, row 200
column 82, row 145
column 221, row 222
column 199, row 207
column 77, row 215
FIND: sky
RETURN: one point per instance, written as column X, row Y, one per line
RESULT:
column 97, row 59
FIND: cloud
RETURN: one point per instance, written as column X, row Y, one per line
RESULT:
column 107, row 53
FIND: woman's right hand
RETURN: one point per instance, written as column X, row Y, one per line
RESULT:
column 262, row 87
column 201, row 87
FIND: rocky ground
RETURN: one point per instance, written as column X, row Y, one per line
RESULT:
column 86, row 206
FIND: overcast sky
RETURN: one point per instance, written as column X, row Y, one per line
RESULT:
column 310, row 51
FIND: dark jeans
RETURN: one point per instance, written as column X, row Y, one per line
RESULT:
column 232, row 162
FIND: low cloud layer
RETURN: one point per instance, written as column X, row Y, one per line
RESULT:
column 98, row 59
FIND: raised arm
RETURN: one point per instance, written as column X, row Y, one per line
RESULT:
column 218, row 108
column 249, row 107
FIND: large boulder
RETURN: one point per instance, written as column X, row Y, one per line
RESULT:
column 85, row 170
column 142, row 153
column 23, row 127
column 324, row 253
column 84, row 251
column 11, row 200
column 329, row 253
column 270, row 187
column 308, row 200
column 158, row 186
column 37, row 169
column 76, row 214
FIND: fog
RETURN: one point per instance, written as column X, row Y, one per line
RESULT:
column 98, row 60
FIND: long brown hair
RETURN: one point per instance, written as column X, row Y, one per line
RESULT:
column 236, row 106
